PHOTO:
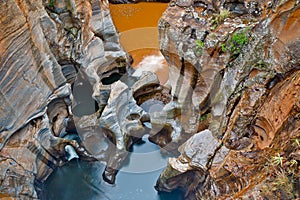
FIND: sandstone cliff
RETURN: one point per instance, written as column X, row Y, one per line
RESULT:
column 230, row 107
column 44, row 45
column 236, row 64
column 60, row 99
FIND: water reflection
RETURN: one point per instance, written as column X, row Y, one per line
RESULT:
column 82, row 180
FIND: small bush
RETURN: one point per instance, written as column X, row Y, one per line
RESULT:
column 236, row 43
column 199, row 47
column 51, row 3
column 218, row 19
column 277, row 160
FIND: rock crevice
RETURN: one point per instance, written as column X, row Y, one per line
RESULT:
column 229, row 111
column 247, row 88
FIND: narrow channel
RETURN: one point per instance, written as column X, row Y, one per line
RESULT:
column 79, row 179
column 82, row 180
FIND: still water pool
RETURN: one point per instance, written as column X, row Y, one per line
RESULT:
column 83, row 180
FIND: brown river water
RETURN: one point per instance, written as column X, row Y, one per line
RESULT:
column 137, row 25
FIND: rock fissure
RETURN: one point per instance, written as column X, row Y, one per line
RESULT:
column 229, row 110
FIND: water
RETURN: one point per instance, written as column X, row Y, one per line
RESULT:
column 83, row 180
column 131, row 16
column 137, row 24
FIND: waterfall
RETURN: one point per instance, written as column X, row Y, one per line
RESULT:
column 70, row 152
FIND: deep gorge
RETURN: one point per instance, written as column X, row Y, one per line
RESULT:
column 78, row 95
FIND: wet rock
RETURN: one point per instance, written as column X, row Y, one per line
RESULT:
column 196, row 152
column 184, row 3
column 188, row 171
column 122, row 119
column 146, row 86
column 251, row 95
column 47, row 49
column 200, row 149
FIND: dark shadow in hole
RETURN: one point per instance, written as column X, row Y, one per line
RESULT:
column 111, row 79
column 174, row 195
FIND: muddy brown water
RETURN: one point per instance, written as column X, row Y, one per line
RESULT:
column 137, row 25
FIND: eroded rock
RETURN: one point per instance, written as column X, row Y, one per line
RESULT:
column 249, row 87
column 233, row 68
column 47, row 48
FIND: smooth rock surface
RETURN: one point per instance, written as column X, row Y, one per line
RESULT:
column 43, row 48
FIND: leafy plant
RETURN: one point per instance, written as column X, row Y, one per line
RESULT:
column 224, row 13
column 200, row 44
column 277, row 160
column 236, row 42
column 203, row 117
column 224, row 49
column 296, row 142
column 218, row 19
column 52, row 2
column 199, row 47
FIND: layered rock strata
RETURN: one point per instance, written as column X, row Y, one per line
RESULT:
column 55, row 58
column 60, row 94
column 230, row 108
column 237, row 64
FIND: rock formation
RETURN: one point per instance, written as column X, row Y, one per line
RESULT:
column 230, row 109
column 44, row 46
column 60, row 61
column 237, row 64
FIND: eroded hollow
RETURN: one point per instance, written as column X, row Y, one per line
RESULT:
column 79, row 179
column 82, row 91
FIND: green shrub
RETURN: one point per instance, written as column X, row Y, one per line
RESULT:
column 199, row 47
column 51, row 3
column 236, row 42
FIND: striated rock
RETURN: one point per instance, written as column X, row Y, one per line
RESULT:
column 26, row 65
column 243, row 68
column 230, row 109
column 123, row 120
column 198, row 154
column 36, row 153
column 56, row 58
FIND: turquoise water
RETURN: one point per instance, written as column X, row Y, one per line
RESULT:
column 83, row 180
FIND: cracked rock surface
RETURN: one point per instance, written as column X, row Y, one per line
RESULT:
column 237, row 63
column 229, row 111
column 47, row 52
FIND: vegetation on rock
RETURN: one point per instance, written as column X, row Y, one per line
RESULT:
column 236, row 43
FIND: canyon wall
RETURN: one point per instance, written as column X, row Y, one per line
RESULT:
column 230, row 108
column 61, row 98
column 55, row 57
column 236, row 65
